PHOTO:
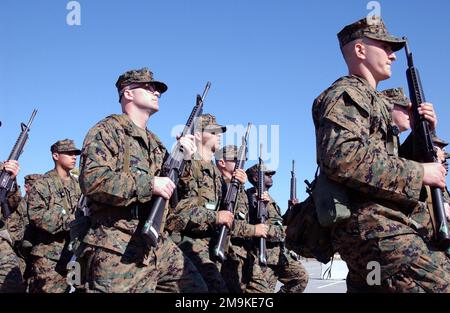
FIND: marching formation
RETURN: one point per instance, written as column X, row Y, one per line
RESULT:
column 139, row 218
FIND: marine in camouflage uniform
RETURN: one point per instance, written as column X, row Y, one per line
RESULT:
column 11, row 267
column 21, row 229
column 282, row 265
column 195, row 219
column 353, row 136
column 119, row 172
column 52, row 202
column 402, row 118
column 238, row 269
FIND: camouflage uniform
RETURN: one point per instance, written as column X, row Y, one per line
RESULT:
column 51, row 207
column 11, row 267
column 193, row 220
column 239, row 267
column 282, row 264
column 396, row 96
column 118, row 164
column 353, row 129
column 24, row 229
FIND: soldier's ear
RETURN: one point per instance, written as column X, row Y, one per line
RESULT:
column 128, row 95
column 55, row 156
column 360, row 50
column 221, row 163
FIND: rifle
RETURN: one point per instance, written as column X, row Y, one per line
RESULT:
column 293, row 195
column 424, row 149
column 173, row 167
column 230, row 200
column 261, row 209
column 6, row 183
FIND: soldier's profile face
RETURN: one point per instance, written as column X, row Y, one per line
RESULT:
column 401, row 117
column 67, row 160
column 378, row 58
column 211, row 139
column 146, row 99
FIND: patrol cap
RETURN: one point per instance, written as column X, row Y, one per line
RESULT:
column 396, row 96
column 134, row 78
column 208, row 123
column 252, row 171
column 369, row 27
column 31, row 178
column 439, row 142
column 65, row 145
column 228, row 153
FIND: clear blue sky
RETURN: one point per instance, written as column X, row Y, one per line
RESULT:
column 267, row 61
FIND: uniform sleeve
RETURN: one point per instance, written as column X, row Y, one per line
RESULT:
column 242, row 228
column 14, row 197
column 100, row 178
column 43, row 214
column 347, row 154
column 17, row 221
column 190, row 214
column 276, row 232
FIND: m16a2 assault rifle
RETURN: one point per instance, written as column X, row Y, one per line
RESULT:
column 6, row 182
column 424, row 151
column 230, row 200
column 172, row 168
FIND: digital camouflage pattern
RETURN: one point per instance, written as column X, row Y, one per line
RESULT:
column 280, row 263
column 65, row 145
column 133, row 78
column 208, row 122
column 193, row 220
column 370, row 27
column 396, row 96
column 51, row 207
column 11, row 268
column 118, row 164
column 352, row 124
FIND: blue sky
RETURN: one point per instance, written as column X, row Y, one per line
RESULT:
column 267, row 61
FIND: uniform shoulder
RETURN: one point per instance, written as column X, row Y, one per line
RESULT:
column 353, row 86
column 350, row 89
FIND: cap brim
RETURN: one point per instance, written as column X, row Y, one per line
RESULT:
column 271, row 172
column 160, row 86
column 396, row 43
column 77, row 151
column 215, row 128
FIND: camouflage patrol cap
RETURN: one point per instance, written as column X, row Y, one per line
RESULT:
column 253, row 171
column 133, row 78
column 31, row 178
column 209, row 123
column 228, row 153
column 396, row 96
column 369, row 27
column 439, row 142
column 65, row 145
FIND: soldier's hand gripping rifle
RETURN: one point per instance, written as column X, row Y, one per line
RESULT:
column 261, row 209
column 230, row 200
column 424, row 149
column 293, row 195
column 172, row 168
column 6, row 182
